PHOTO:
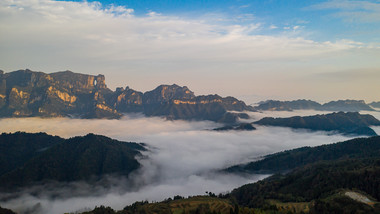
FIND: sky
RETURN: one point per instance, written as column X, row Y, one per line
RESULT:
column 254, row 50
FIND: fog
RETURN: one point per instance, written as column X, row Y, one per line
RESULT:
column 183, row 159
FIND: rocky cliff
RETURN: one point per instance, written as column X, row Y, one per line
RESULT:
column 29, row 93
column 26, row 93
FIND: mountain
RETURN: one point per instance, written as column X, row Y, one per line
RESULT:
column 50, row 158
column 240, row 127
column 340, row 105
column 16, row 149
column 349, row 123
column 320, row 178
column 291, row 159
column 375, row 104
column 25, row 93
column 177, row 102
column 347, row 105
column 322, row 185
column 275, row 105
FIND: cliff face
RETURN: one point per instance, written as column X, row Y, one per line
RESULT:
column 79, row 82
column 177, row 102
column 27, row 93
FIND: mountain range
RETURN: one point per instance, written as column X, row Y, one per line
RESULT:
column 26, row 93
column 339, row 105
column 346, row 123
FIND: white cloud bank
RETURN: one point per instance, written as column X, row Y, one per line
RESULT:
column 145, row 51
column 183, row 159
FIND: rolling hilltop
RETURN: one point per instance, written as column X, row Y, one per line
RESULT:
column 28, row 159
column 26, row 93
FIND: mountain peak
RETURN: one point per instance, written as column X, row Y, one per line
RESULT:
column 28, row 93
column 166, row 93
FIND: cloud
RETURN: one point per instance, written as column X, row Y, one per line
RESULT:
column 273, row 27
column 148, row 50
column 184, row 159
column 353, row 11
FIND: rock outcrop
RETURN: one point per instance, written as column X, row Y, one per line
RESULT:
column 27, row 93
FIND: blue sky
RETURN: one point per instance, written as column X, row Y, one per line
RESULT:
column 323, row 20
column 253, row 50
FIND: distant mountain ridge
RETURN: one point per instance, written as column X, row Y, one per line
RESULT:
column 375, row 104
column 26, row 93
column 349, row 123
column 339, row 105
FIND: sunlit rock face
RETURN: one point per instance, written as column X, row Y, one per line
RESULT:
column 28, row 93
column 127, row 100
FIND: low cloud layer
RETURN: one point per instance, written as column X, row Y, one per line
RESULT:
column 183, row 159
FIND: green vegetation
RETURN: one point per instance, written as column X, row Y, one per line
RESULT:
column 240, row 127
column 349, row 123
column 16, row 149
column 56, row 159
column 312, row 182
column 6, row 211
column 288, row 160
column 180, row 205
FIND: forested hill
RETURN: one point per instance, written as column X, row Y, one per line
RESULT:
column 317, row 179
column 288, row 160
column 349, row 123
column 322, row 185
column 26, row 93
column 32, row 158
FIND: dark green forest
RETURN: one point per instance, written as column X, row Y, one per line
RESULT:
column 348, row 123
column 35, row 158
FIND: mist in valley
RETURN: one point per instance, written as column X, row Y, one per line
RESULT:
column 183, row 158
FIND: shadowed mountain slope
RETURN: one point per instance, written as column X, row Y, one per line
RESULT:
column 51, row 158
column 349, row 123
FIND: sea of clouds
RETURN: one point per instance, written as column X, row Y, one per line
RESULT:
column 184, row 158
